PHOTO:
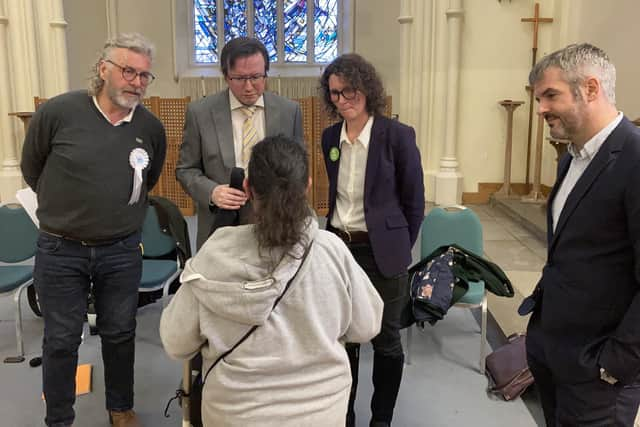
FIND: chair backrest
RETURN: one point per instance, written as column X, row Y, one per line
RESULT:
column 18, row 234
column 156, row 243
column 443, row 226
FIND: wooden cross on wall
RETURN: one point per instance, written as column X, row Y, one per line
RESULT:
column 536, row 23
column 537, row 20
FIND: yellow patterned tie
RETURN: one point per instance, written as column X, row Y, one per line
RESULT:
column 249, row 134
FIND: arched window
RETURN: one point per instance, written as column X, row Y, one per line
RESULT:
column 282, row 25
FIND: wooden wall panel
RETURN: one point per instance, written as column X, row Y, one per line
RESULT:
column 171, row 112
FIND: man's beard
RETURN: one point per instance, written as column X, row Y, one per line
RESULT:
column 119, row 98
column 568, row 124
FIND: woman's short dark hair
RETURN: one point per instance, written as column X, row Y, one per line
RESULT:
column 241, row 47
column 358, row 73
column 278, row 175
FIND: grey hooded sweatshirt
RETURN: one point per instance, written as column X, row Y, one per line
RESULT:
column 293, row 370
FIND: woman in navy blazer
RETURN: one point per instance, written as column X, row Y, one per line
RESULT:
column 376, row 205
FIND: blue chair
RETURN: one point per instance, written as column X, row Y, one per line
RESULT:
column 459, row 225
column 157, row 273
column 18, row 237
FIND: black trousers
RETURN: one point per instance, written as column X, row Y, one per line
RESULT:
column 585, row 404
column 388, row 359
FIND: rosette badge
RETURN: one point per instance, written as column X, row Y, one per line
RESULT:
column 138, row 159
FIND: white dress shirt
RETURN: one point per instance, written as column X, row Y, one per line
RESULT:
column 349, row 211
column 238, row 118
column 579, row 163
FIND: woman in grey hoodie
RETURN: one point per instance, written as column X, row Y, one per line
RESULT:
column 293, row 369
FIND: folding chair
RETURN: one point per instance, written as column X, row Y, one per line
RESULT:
column 157, row 273
column 459, row 225
column 18, row 237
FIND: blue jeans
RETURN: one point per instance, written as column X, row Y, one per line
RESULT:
column 64, row 271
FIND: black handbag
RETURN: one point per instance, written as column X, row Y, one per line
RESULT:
column 198, row 381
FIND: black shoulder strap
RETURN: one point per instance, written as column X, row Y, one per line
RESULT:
column 254, row 327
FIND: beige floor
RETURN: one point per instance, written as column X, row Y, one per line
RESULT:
column 520, row 254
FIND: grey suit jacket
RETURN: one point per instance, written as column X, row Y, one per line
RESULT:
column 207, row 155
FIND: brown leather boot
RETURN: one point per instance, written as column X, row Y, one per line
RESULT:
column 124, row 419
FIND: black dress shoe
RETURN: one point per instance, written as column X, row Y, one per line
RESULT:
column 374, row 423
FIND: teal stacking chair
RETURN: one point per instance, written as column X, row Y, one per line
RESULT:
column 18, row 238
column 157, row 273
column 459, row 225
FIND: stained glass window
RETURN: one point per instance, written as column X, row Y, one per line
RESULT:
column 295, row 30
column 325, row 17
column 282, row 25
column 235, row 19
column 266, row 26
column 205, row 31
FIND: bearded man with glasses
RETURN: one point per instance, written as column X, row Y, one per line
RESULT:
column 91, row 157
column 221, row 129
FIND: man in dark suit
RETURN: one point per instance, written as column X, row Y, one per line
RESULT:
column 376, row 205
column 221, row 129
column 583, row 338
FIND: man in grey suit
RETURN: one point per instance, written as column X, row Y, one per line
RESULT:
column 221, row 128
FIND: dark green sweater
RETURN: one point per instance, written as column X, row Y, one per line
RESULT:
column 78, row 164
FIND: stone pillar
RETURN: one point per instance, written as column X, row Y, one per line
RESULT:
column 449, row 179
column 53, row 47
column 24, row 50
column 10, row 176
column 416, row 82
column 33, row 62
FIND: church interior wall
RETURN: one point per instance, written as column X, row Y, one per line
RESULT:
column 615, row 29
column 86, row 32
column 377, row 38
column 157, row 27
column 495, row 60
column 88, row 29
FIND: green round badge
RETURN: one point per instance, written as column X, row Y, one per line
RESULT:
column 334, row 154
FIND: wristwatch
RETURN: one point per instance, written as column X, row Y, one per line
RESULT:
column 607, row 377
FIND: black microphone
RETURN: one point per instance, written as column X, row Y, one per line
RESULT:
column 225, row 217
column 237, row 178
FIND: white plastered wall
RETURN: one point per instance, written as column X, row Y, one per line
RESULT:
column 495, row 60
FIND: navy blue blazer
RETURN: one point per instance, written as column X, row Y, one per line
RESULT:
column 393, row 191
column 587, row 312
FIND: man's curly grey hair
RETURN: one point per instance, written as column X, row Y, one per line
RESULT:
column 133, row 41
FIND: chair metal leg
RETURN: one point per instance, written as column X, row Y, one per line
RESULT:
column 165, row 294
column 483, row 333
column 16, row 297
column 18, row 321
column 165, row 287
column 407, row 359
